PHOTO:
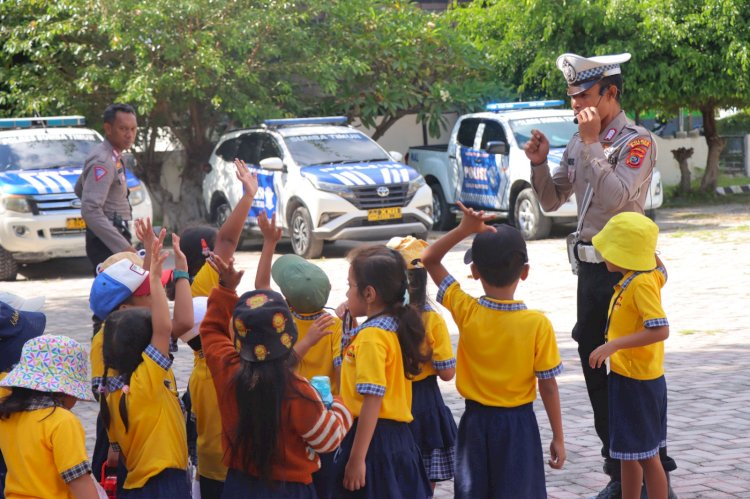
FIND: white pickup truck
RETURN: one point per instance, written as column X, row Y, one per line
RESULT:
column 324, row 180
column 484, row 166
column 40, row 215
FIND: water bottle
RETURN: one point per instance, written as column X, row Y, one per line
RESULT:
column 323, row 386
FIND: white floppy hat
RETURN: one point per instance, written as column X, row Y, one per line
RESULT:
column 33, row 304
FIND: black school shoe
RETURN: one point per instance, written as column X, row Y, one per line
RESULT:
column 613, row 490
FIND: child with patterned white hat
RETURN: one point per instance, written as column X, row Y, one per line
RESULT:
column 50, row 459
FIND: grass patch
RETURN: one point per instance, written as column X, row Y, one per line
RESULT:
column 674, row 199
column 689, row 332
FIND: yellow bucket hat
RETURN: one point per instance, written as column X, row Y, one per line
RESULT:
column 629, row 241
column 410, row 248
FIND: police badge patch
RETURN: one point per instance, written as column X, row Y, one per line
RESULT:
column 569, row 72
column 637, row 149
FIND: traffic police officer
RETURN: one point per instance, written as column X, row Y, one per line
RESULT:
column 103, row 188
column 608, row 166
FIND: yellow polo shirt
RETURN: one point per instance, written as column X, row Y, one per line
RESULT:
column 44, row 449
column 323, row 357
column 437, row 337
column 373, row 365
column 156, row 438
column 205, row 409
column 96, row 356
column 204, row 281
column 636, row 305
column 502, row 347
column 4, row 392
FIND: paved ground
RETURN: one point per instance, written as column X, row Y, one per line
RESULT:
column 707, row 252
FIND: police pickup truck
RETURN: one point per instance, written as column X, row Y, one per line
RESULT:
column 40, row 215
column 324, row 180
column 484, row 166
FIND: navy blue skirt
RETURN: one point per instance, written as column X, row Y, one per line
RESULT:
column 434, row 429
column 394, row 466
column 499, row 453
column 637, row 417
column 171, row 483
column 240, row 485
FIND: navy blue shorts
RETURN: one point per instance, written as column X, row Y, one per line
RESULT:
column 394, row 466
column 637, row 417
column 171, row 483
column 434, row 429
column 499, row 453
column 324, row 480
column 240, row 485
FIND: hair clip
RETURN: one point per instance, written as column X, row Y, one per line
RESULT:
column 205, row 250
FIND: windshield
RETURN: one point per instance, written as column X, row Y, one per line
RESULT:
column 557, row 129
column 44, row 151
column 319, row 149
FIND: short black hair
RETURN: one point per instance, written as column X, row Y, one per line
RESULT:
column 111, row 112
column 612, row 80
column 505, row 274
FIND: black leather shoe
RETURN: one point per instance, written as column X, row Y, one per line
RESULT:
column 613, row 490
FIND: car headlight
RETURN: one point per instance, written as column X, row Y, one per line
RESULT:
column 415, row 185
column 14, row 202
column 137, row 195
column 338, row 189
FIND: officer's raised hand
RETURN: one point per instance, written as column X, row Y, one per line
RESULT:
column 589, row 125
column 537, row 148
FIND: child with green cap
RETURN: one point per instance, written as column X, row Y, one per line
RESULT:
column 636, row 329
column 306, row 288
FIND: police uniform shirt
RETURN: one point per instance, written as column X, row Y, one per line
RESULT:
column 620, row 183
column 103, row 190
column 503, row 347
column 635, row 305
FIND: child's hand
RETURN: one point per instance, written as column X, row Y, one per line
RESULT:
column 144, row 231
column 229, row 277
column 249, row 179
column 598, row 356
column 354, row 474
column 158, row 257
column 268, row 228
column 557, row 454
column 320, row 328
column 474, row 221
column 180, row 260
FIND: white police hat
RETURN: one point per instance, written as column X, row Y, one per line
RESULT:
column 582, row 73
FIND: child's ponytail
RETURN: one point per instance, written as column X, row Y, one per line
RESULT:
column 385, row 270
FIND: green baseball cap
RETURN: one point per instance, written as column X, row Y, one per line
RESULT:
column 305, row 286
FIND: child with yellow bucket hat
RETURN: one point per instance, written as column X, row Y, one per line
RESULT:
column 636, row 329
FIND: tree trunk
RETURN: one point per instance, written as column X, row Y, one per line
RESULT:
column 388, row 122
column 715, row 146
column 681, row 155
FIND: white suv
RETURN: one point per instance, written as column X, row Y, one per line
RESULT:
column 324, row 180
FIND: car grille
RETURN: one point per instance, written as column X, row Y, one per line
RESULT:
column 43, row 204
column 367, row 197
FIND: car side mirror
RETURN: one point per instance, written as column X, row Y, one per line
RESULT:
column 497, row 147
column 273, row 163
column 396, row 156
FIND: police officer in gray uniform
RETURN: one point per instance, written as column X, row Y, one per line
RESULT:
column 608, row 166
column 103, row 188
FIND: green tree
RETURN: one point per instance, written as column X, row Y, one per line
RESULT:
column 384, row 59
column 696, row 55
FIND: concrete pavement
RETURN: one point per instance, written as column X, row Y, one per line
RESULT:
column 707, row 254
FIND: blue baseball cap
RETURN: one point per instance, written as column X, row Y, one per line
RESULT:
column 16, row 328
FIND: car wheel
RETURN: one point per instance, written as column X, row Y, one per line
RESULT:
column 304, row 243
column 221, row 212
column 442, row 218
column 8, row 266
column 528, row 216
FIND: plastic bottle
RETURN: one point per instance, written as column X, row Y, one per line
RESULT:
column 323, row 385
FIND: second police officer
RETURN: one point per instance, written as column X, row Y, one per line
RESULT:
column 608, row 165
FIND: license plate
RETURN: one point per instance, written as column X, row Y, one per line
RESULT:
column 75, row 223
column 384, row 213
